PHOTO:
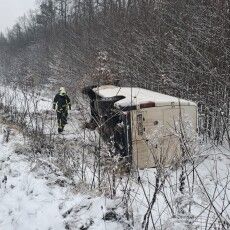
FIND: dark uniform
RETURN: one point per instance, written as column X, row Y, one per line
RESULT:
column 61, row 103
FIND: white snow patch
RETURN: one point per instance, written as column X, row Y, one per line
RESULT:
column 137, row 96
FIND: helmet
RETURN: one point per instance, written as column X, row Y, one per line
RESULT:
column 62, row 90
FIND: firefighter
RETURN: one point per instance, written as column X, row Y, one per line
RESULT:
column 61, row 104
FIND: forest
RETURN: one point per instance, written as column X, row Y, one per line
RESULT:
column 179, row 48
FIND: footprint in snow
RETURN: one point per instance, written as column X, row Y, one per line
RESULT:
column 14, row 173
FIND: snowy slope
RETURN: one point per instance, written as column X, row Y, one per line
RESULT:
column 35, row 194
column 30, row 198
column 26, row 201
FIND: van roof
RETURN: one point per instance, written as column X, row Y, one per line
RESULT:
column 137, row 96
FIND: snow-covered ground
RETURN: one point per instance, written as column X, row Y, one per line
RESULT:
column 33, row 197
column 36, row 194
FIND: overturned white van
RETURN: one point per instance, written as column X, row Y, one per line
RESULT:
column 140, row 123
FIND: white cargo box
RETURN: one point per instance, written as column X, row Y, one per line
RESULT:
column 152, row 118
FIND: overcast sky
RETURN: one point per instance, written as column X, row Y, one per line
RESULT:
column 10, row 10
